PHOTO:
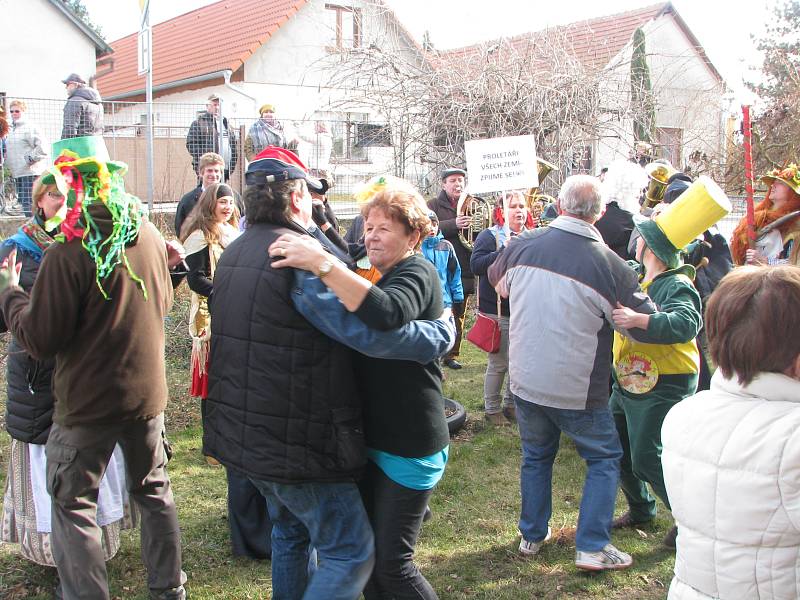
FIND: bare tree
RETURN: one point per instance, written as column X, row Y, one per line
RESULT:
column 433, row 101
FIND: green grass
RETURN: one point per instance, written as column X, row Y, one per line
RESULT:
column 468, row 550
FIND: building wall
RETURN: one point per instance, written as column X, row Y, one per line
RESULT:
column 291, row 71
column 688, row 95
column 39, row 47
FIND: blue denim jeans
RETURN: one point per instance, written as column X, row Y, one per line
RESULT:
column 329, row 517
column 24, row 187
column 596, row 439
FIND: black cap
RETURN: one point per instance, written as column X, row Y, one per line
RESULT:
column 73, row 78
column 676, row 185
column 447, row 172
column 274, row 164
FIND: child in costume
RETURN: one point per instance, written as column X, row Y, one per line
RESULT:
column 650, row 378
column 442, row 255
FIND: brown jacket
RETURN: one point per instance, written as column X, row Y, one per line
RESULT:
column 109, row 353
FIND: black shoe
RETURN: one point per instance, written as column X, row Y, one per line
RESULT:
column 428, row 515
column 671, row 537
column 626, row 520
column 452, row 363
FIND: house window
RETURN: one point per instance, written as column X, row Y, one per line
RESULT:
column 345, row 130
column 582, row 159
column 345, row 23
column 371, row 134
column 668, row 144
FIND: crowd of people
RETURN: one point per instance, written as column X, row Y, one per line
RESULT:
column 318, row 361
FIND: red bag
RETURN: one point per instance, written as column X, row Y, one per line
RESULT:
column 485, row 334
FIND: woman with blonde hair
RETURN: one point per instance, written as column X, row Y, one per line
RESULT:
column 29, row 415
column 26, row 153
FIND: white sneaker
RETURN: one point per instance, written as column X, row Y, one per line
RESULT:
column 607, row 558
column 532, row 548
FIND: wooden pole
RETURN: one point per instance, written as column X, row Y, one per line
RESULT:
column 748, row 176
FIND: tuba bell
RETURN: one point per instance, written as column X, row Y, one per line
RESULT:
column 536, row 200
column 480, row 213
column 658, row 175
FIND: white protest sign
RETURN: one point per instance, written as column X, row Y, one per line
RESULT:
column 501, row 164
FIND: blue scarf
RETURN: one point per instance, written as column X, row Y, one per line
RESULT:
column 30, row 239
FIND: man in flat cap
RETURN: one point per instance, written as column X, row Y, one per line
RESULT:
column 83, row 112
column 444, row 205
column 204, row 136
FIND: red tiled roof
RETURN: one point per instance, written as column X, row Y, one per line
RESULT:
column 207, row 40
column 594, row 42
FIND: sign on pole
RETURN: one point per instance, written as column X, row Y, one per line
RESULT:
column 144, row 40
column 502, row 164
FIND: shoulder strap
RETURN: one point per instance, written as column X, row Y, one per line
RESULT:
column 497, row 249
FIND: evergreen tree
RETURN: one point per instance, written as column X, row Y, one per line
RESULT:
column 79, row 10
column 644, row 122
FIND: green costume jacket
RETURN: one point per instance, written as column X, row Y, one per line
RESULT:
column 667, row 370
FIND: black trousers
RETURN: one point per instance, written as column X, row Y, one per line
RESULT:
column 395, row 513
column 248, row 519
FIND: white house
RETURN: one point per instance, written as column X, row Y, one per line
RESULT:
column 686, row 86
column 42, row 43
column 252, row 52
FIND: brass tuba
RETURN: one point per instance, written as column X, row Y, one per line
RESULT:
column 658, row 175
column 536, row 200
column 480, row 213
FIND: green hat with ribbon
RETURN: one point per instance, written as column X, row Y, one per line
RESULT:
column 83, row 172
column 88, row 153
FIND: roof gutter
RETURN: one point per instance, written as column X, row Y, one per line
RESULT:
column 173, row 84
column 230, row 86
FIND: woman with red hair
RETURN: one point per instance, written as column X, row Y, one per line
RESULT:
column 781, row 245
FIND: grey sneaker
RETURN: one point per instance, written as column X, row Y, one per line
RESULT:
column 178, row 593
column 527, row 548
column 606, row 559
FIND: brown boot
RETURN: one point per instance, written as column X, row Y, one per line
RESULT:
column 510, row 413
column 626, row 520
column 497, row 419
column 671, row 538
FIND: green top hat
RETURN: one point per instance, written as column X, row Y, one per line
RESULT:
column 85, row 154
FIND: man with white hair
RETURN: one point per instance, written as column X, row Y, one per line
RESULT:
column 565, row 270
column 622, row 187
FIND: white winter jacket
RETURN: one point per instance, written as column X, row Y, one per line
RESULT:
column 27, row 154
column 731, row 464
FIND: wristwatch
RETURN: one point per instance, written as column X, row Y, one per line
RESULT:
column 325, row 268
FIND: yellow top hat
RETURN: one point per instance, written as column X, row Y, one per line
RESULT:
column 698, row 208
column 695, row 210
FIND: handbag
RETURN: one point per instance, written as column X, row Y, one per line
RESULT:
column 485, row 333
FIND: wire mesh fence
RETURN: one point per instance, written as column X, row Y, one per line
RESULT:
column 346, row 151
column 329, row 146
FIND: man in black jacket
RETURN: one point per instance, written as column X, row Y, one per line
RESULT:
column 204, row 136
column 453, row 183
column 83, row 112
column 283, row 410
